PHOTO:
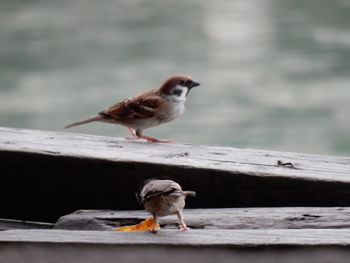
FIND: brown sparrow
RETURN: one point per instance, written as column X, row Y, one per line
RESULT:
column 148, row 109
column 162, row 198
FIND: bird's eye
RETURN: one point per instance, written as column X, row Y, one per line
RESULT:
column 182, row 83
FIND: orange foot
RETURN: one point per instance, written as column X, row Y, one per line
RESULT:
column 151, row 139
column 148, row 138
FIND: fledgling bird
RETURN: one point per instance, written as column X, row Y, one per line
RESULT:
column 148, row 109
column 162, row 198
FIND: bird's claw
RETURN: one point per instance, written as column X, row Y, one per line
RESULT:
column 183, row 228
column 154, row 231
column 149, row 139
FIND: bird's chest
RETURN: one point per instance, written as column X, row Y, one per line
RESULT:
column 174, row 109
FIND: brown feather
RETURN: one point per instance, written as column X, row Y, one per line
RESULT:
column 154, row 188
column 91, row 119
column 144, row 105
column 157, row 187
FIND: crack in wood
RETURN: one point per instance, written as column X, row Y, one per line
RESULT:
column 51, row 152
column 176, row 155
column 244, row 163
column 286, row 164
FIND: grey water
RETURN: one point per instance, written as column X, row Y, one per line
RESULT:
column 275, row 74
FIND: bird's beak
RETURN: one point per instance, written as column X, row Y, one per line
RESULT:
column 194, row 83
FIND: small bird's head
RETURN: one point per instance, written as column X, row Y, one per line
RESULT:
column 178, row 85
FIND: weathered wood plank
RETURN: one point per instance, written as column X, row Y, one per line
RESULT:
column 245, row 161
column 7, row 224
column 95, row 253
column 228, row 218
column 50, row 174
column 206, row 238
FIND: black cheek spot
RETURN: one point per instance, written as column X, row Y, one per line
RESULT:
column 177, row 92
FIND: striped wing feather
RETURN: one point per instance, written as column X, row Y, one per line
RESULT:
column 145, row 105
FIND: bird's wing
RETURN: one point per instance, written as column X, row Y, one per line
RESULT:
column 145, row 105
column 158, row 187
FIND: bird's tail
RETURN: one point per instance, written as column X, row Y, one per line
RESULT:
column 91, row 119
column 190, row 193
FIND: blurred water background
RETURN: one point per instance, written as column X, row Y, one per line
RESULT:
column 275, row 74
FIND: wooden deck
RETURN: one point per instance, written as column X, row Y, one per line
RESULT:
column 248, row 201
column 49, row 174
column 229, row 227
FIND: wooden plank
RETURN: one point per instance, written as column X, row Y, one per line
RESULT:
column 15, row 252
column 49, row 174
column 228, row 218
column 7, row 224
column 193, row 237
column 244, row 161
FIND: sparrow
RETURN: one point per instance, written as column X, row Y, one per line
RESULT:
column 162, row 198
column 149, row 108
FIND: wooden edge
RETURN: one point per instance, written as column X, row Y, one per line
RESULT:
column 245, row 161
column 209, row 238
